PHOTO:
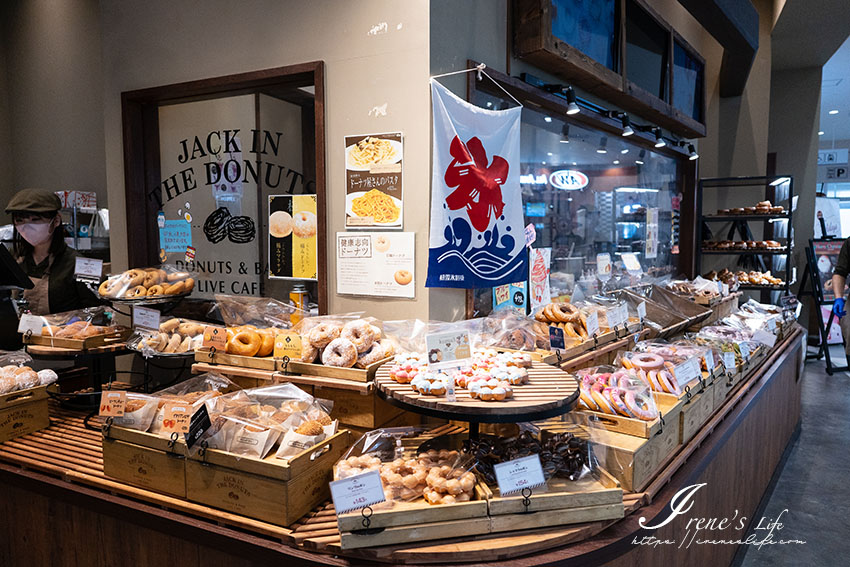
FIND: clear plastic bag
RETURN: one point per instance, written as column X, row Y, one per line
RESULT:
column 238, row 310
column 612, row 391
column 139, row 412
column 154, row 282
column 80, row 323
column 175, row 336
column 15, row 375
column 193, row 392
column 509, row 329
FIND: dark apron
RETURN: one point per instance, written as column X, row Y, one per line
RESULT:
column 37, row 297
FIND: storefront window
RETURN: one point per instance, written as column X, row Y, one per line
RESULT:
column 590, row 193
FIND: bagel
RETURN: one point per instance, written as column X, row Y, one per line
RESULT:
column 246, row 342
column 267, row 342
column 136, row 292
column 175, row 288
column 565, row 312
column 151, row 278
column 175, row 276
column 156, row 290
column 133, row 278
column 170, row 325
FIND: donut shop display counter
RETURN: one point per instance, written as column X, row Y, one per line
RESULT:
column 611, row 456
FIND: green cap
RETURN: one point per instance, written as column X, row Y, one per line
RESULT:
column 34, row 201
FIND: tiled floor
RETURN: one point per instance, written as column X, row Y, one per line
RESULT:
column 814, row 485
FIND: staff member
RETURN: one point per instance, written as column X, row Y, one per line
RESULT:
column 39, row 247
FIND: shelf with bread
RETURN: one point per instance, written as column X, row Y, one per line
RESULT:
column 78, row 330
column 147, row 286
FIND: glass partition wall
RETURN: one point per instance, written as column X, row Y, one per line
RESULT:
column 588, row 192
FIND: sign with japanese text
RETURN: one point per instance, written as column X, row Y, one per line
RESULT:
column 373, row 180
column 378, row 264
column 519, row 474
column 293, row 224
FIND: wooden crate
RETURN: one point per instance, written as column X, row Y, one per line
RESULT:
column 405, row 522
column 697, row 409
column 356, row 374
column 105, row 339
column 669, row 406
column 719, row 310
column 272, row 490
column 562, row 502
column 576, row 347
column 145, row 460
column 23, row 412
column 606, row 354
column 259, row 363
column 358, row 409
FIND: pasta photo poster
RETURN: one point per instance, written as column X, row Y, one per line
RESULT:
column 373, row 180
column 477, row 236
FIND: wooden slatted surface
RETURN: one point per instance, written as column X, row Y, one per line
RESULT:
column 549, row 388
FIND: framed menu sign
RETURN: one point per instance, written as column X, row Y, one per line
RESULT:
column 373, row 180
column 292, row 237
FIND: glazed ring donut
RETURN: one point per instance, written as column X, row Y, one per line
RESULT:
column 403, row 277
column 647, row 361
column 246, row 342
column 548, row 315
column 602, row 402
column 570, row 330
column 175, row 289
column 614, row 396
column 340, row 352
column 156, row 290
column 565, row 312
column 373, row 354
column 136, row 292
column 361, row 333
column 267, row 342
column 669, row 383
column 151, row 278
column 587, row 399
column 304, row 224
column 638, row 406
column 322, row 334
column 133, row 278
column 176, row 276
column 170, row 325
column 308, row 352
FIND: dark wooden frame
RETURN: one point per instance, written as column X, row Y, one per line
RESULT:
column 140, row 121
column 535, row 43
column 557, row 105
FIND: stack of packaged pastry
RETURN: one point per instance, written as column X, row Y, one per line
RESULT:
column 175, row 336
column 150, row 283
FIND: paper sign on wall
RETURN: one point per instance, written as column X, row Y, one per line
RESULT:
column 379, row 264
column 510, row 296
column 373, row 180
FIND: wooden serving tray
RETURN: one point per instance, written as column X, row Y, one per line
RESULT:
column 669, row 406
column 355, row 374
column 259, row 363
column 79, row 344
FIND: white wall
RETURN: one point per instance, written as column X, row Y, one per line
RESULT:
column 52, row 103
column 375, row 51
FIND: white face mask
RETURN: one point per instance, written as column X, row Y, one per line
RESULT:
column 36, row 233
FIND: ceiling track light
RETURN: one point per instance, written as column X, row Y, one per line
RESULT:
column 641, row 155
column 603, row 146
column 659, row 139
column 565, row 134
column 627, row 125
column 572, row 106
column 692, row 153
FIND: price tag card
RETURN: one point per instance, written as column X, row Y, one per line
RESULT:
column 145, row 318
column 593, row 324
column 631, row 262
column 709, row 361
column 764, row 337
column 198, row 425
column 729, row 361
column 112, row 403
column 287, row 343
column 603, row 266
column 798, row 310
column 513, row 476
column 771, row 324
column 447, row 349
column 215, row 337
column 556, row 338
column 177, row 417
column 687, row 371
column 30, row 322
column 88, row 268
column 745, row 351
column 357, row 491
column 615, row 317
column 641, row 309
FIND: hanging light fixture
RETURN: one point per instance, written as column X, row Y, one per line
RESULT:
column 659, row 139
column 692, row 152
column 603, row 146
column 639, row 160
column 627, row 125
column 565, row 134
column 572, row 107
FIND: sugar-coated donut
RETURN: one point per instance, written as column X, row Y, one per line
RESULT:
column 340, row 352
column 170, row 325
column 322, row 334
column 280, row 224
column 246, row 342
column 403, row 277
column 361, row 333
column 377, row 351
column 308, row 352
column 304, row 224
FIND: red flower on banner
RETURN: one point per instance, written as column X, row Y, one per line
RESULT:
column 479, row 185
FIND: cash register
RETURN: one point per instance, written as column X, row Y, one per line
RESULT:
column 11, row 278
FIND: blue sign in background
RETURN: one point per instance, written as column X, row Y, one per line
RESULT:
column 175, row 236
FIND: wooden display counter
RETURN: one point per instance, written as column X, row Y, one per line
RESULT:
column 57, row 502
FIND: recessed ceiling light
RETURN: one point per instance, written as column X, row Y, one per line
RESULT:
column 543, row 162
column 549, row 118
column 575, row 163
column 820, row 133
column 616, row 162
column 624, row 151
column 549, row 154
column 833, row 111
column 489, row 104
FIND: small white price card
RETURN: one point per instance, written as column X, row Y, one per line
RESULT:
column 145, row 318
column 641, row 309
column 709, row 361
column 177, row 417
column 615, row 317
column 631, row 262
column 798, row 310
column 357, row 491
column 764, row 337
column 687, row 371
column 593, row 324
column 745, row 351
column 771, row 324
column 30, row 322
column 514, row 476
column 112, row 403
column 88, row 268
column 729, row 361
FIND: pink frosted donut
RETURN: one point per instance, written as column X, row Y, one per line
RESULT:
column 639, row 406
column 669, row 383
column 647, row 361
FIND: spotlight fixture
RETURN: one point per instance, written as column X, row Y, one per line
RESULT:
column 616, row 162
column 624, row 151
column 548, row 118
column 603, row 146
column 565, row 134
column 833, row 111
column 572, row 107
column 692, row 153
column 627, row 125
column 820, row 132
column 639, row 160
column 659, row 139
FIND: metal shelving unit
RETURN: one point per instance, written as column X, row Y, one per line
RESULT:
column 779, row 190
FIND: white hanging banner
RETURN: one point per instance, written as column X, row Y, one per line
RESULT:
column 477, row 236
